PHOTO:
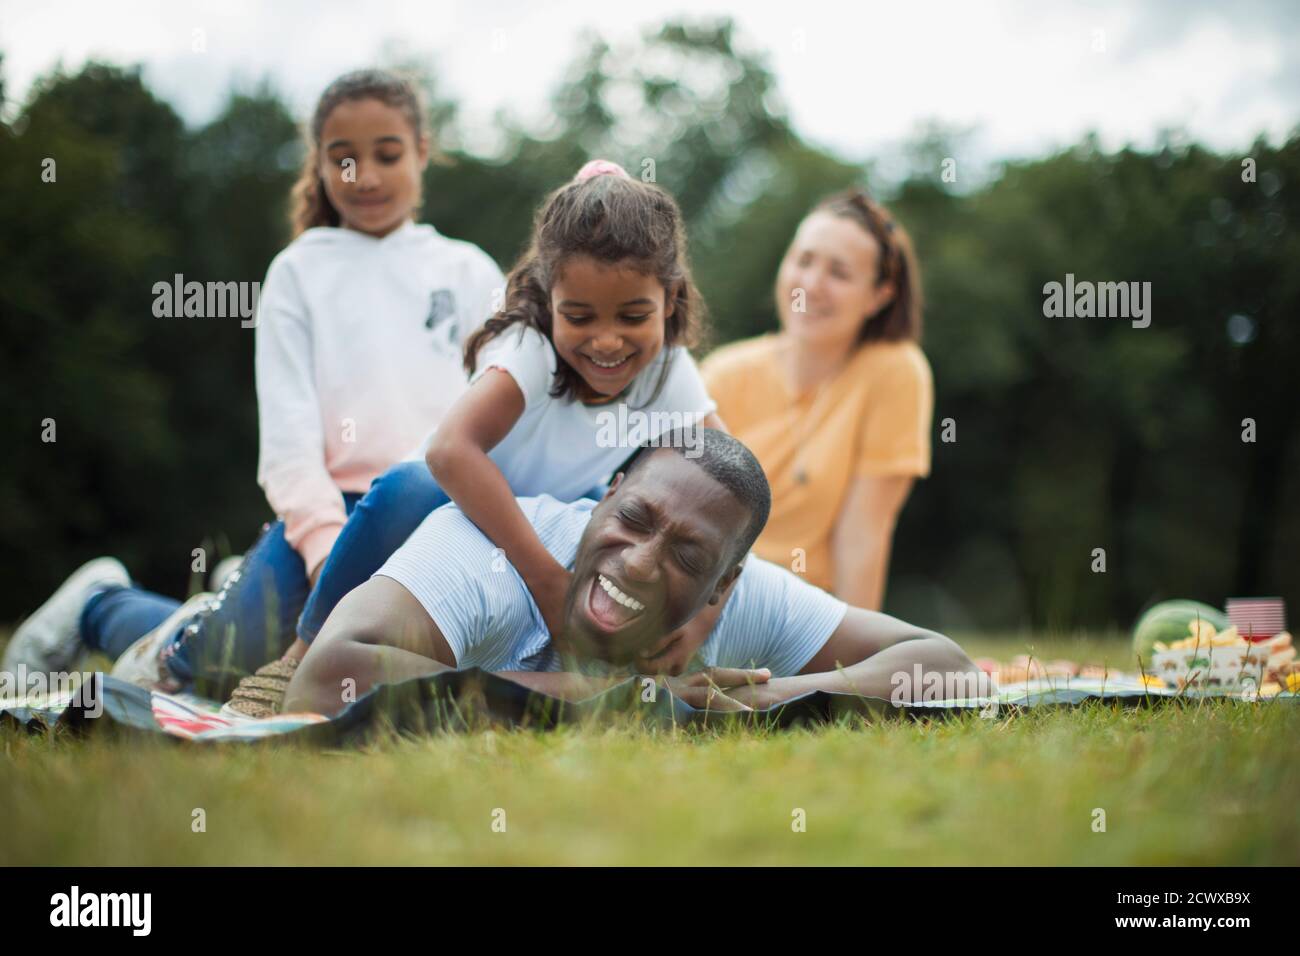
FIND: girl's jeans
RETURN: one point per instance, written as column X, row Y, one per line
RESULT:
column 269, row 600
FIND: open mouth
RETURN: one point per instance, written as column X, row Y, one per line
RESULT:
column 609, row 607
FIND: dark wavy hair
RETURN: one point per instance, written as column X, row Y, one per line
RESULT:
column 612, row 219
column 900, row 318
column 311, row 205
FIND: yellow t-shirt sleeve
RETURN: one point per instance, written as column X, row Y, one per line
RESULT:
column 895, row 437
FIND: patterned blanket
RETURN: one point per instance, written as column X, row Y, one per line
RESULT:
column 461, row 699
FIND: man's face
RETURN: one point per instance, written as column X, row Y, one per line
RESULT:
column 658, row 547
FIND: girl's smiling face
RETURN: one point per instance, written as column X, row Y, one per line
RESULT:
column 381, row 191
column 607, row 322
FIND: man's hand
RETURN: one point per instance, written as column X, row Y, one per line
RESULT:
column 769, row 693
column 710, row 689
column 673, row 653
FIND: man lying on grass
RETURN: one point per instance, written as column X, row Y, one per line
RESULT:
column 670, row 536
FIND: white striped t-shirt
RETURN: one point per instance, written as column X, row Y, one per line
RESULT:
column 489, row 619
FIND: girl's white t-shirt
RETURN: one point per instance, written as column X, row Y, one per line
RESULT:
column 562, row 447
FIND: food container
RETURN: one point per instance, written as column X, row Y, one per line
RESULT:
column 1224, row 662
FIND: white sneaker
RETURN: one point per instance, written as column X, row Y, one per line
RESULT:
column 141, row 663
column 50, row 640
column 222, row 572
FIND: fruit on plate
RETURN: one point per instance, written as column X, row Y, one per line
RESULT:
column 1171, row 621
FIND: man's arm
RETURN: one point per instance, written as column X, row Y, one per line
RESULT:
column 378, row 634
column 875, row 655
column 562, row 684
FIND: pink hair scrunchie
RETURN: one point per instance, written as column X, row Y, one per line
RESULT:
column 600, row 167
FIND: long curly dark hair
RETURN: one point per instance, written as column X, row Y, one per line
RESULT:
column 611, row 219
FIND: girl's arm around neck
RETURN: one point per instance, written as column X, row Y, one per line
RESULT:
column 458, row 458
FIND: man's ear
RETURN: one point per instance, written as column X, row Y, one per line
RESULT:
column 618, row 479
column 724, row 582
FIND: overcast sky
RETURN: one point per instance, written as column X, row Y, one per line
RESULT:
column 856, row 76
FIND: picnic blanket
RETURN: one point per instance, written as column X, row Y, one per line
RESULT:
column 459, row 700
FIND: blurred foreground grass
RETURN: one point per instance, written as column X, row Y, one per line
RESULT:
column 1197, row 783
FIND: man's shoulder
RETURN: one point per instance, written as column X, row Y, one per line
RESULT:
column 558, row 524
column 474, row 594
column 773, row 619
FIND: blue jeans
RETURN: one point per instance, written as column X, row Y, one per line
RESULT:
column 270, row 600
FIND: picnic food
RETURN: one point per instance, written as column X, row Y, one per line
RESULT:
column 1023, row 668
column 1062, row 673
column 1211, row 659
column 262, row 693
column 1169, row 621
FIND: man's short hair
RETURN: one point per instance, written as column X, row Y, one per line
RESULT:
column 728, row 462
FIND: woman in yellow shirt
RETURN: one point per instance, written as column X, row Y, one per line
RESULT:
column 837, row 405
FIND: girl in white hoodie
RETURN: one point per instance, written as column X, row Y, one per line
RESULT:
column 360, row 332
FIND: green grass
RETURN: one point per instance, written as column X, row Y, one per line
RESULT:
column 1197, row 783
